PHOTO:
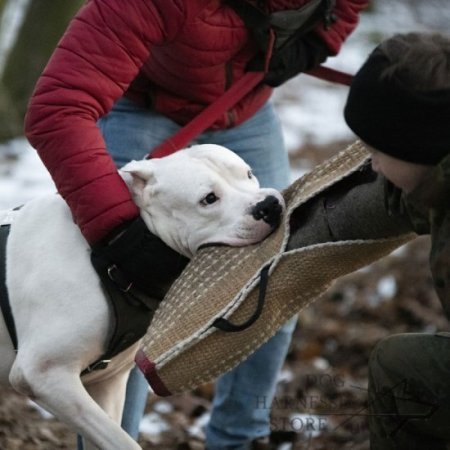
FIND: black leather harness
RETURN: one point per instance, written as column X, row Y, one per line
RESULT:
column 132, row 314
column 132, row 310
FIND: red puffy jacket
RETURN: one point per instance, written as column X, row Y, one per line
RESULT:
column 177, row 55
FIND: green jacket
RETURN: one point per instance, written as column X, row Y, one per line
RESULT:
column 428, row 208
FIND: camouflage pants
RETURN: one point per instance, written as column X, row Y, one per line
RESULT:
column 409, row 392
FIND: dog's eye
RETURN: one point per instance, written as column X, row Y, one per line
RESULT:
column 209, row 199
column 250, row 174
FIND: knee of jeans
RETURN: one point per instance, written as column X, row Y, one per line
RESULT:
column 225, row 425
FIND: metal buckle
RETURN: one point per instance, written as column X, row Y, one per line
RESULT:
column 98, row 365
column 118, row 282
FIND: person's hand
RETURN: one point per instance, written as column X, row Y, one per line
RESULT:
column 136, row 258
column 299, row 55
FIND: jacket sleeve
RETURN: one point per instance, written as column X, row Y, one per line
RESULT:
column 97, row 58
column 347, row 17
column 352, row 209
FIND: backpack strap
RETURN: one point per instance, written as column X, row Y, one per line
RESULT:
column 286, row 24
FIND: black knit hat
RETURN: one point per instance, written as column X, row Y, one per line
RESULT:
column 409, row 125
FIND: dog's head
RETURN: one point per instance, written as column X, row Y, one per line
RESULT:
column 204, row 194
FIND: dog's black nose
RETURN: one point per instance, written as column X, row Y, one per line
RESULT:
column 268, row 210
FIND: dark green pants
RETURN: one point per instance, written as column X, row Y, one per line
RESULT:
column 409, row 392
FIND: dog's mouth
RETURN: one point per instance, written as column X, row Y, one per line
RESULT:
column 260, row 221
column 213, row 244
column 247, row 234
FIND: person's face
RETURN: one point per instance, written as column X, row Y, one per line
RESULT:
column 405, row 175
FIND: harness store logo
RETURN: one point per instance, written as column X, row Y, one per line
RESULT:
column 326, row 403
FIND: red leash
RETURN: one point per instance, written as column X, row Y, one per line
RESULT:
column 332, row 75
column 208, row 116
column 226, row 101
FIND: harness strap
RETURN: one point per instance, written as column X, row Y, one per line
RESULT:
column 5, row 305
column 132, row 311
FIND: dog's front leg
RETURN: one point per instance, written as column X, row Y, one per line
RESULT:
column 60, row 391
column 109, row 394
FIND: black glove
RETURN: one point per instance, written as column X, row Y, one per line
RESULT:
column 296, row 56
column 136, row 258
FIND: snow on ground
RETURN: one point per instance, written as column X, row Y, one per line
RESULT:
column 23, row 179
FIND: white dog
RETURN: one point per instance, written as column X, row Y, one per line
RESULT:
column 204, row 194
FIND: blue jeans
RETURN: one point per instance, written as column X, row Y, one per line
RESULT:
column 241, row 406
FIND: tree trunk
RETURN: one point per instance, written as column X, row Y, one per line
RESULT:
column 43, row 25
column 2, row 5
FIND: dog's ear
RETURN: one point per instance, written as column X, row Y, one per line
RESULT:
column 140, row 174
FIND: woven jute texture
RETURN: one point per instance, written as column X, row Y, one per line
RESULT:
column 182, row 349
